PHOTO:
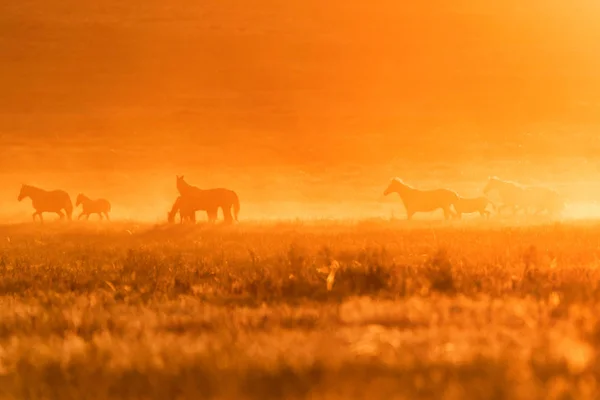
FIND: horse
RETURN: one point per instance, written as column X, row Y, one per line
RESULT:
column 513, row 195
column 422, row 200
column 210, row 200
column 89, row 206
column 542, row 199
column 527, row 198
column 186, row 210
column 467, row 205
column 47, row 201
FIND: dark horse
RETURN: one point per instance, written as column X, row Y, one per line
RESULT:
column 209, row 200
column 422, row 200
column 186, row 209
column 99, row 206
column 47, row 201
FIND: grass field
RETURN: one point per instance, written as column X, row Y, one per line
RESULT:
column 420, row 310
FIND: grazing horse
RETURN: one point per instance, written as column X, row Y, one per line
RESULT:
column 186, row 209
column 512, row 194
column 89, row 206
column 47, row 201
column 210, row 200
column 464, row 205
column 422, row 200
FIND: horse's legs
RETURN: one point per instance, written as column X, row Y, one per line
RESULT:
column 409, row 215
column 227, row 214
column 41, row 218
column 100, row 215
column 33, row 215
column 61, row 215
column 87, row 216
column 80, row 215
column 106, row 215
column 447, row 213
column 212, row 215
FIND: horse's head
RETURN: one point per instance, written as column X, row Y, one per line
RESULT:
column 179, row 182
column 79, row 200
column 395, row 185
column 491, row 185
column 24, row 192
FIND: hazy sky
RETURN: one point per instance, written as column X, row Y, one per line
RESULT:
column 300, row 79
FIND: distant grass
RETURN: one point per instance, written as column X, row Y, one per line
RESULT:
column 421, row 310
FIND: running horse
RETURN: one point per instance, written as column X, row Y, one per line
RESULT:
column 209, row 200
column 54, row 201
column 416, row 200
column 512, row 194
column 467, row 205
column 90, row 206
column 542, row 199
column 526, row 198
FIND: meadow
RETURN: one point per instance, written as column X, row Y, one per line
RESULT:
column 413, row 310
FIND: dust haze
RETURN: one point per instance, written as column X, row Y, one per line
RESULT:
column 305, row 109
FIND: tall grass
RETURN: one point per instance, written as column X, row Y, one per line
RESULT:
column 124, row 311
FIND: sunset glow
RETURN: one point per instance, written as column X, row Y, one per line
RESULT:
column 300, row 199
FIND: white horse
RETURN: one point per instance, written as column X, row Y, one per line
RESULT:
column 422, row 200
column 512, row 194
column 527, row 198
column 542, row 199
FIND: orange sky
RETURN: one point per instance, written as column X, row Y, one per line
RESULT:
column 297, row 81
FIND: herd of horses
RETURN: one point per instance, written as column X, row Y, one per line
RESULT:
column 531, row 200
column 190, row 200
column 513, row 196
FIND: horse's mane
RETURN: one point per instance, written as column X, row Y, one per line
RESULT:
column 400, row 181
column 29, row 187
column 181, row 181
column 495, row 178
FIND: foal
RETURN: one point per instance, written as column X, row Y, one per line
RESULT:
column 99, row 206
column 469, row 205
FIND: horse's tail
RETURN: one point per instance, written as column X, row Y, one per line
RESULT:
column 69, row 206
column 236, row 205
column 108, row 206
column 455, row 199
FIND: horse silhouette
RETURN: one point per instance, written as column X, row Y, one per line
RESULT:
column 89, row 206
column 187, row 210
column 47, row 201
column 517, row 197
column 416, row 200
column 467, row 205
column 209, row 200
column 512, row 194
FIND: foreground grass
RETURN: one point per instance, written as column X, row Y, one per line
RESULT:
column 415, row 311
